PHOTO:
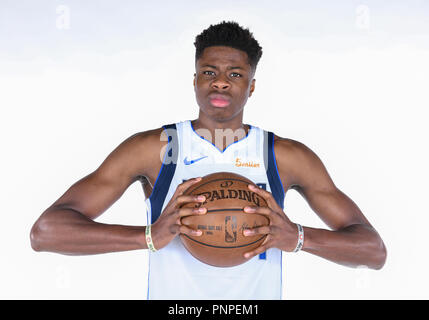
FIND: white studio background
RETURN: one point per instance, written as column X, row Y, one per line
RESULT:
column 347, row 78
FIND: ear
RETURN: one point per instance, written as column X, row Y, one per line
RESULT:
column 194, row 79
column 252, row 87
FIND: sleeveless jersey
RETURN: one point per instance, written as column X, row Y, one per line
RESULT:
column 173, row 272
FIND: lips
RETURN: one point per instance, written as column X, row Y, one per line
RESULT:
column 219, row 100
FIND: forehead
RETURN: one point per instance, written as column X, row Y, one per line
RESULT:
column 220, row 55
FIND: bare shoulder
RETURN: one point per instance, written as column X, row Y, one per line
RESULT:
column 141, row 141
column 289, row 145
column 298, row 165
column 138, row 155
column 290, row 150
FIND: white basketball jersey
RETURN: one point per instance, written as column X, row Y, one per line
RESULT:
column 173, row 272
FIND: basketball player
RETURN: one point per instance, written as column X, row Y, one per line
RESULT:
column 170, row 159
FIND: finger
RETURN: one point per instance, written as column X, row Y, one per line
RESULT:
column 181, row 188
column 258, row 250
column 183, row 199
column 272, row 215
column 267, row 196
column 183, row 212
column 186, row 230
column 266, row 211
column 256, row 231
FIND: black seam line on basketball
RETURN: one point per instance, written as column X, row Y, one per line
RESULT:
column 210, row 245
column 220, row 210
column 220, row 179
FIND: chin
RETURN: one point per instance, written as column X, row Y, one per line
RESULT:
column 219, row 114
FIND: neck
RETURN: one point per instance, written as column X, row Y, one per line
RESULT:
column 220, row 133
column 211, row 124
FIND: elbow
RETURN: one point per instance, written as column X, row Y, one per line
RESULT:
column 39, row 234
column 35, row 237
column 379, row 255
column 383, row 257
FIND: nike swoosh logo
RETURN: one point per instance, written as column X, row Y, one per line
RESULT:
column 188, row 162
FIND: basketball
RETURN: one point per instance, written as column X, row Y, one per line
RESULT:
column 222, row 243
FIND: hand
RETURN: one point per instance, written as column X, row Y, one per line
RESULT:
column 281, row 232
column 168, row 225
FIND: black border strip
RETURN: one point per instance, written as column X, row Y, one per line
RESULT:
column 220, row 210
column 219, row 247
column 246, row 182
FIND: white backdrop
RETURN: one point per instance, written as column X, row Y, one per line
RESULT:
column 347, row 78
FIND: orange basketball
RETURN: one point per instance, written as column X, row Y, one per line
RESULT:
column 223, row 243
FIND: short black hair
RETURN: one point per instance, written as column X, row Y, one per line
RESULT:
column 229, row 34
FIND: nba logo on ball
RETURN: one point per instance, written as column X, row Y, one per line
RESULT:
column 222, row 243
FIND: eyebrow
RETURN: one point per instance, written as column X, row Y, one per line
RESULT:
column 214, row 67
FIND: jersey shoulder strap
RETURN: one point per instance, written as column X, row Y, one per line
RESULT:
column 272, row 171
column 166, row 173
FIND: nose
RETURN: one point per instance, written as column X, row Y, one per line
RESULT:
column 220, row 84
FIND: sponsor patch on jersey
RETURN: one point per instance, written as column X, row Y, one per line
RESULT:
column 242, row 163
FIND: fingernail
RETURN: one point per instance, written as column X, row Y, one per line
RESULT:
column 249, row 209
column 252, row 187
column 247, row 255
column 202, row 210
column 198, row 232
column 247, row 232
column 201, row 198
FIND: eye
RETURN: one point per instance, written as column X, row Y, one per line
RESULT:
column 208, row 72
column 237, row 75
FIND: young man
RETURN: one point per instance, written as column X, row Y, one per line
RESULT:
column 168, row 160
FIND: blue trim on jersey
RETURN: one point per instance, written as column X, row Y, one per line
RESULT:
column 277, row 190
column 250, row 128
column 273, row 174
column 148, row 276
column 163, row 180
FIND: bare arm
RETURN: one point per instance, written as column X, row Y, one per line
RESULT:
column 352, row 241
column 67, row 226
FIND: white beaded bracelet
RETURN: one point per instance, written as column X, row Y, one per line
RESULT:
column 300, row 238
column 149, row 242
